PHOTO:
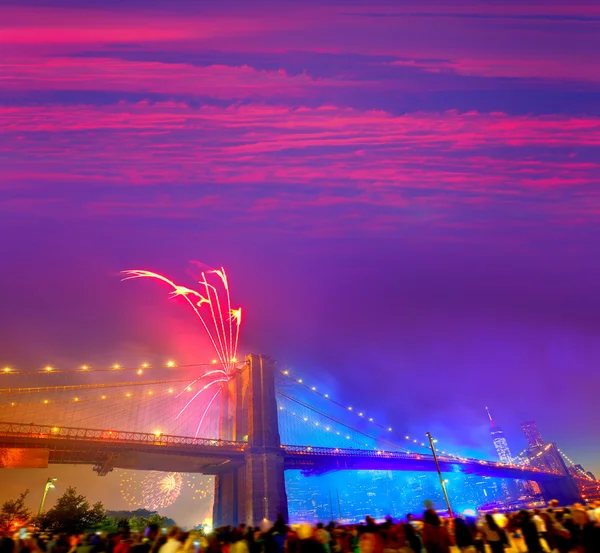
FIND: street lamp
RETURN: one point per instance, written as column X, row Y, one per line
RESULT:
column 49, row 484
column 437, row 466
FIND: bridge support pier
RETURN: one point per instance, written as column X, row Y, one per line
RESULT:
column 563, row 489
column 255, row 491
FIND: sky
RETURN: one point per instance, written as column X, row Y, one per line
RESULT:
column 404, row 194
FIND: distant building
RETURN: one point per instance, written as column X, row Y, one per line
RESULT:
column 533, row 435
column 499, row 441
column 578, row 470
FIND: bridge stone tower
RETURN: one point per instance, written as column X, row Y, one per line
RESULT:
column 563, row 489
column 256, row 490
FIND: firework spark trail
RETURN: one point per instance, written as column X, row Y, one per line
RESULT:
column 206, row 411
column 211, row 383
column 217, row 371
column 178, row 291
column 237, row 315
column 221, row 339
column 223, row 276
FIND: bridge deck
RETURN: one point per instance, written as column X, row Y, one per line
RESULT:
column 147, row 451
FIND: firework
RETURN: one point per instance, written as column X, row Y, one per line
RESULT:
column 130, row 488
column 212, row 307
column 159, row 490
column 201, row 486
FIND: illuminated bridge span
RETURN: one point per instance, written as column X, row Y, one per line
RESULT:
column 148, row 451
column 85, row 423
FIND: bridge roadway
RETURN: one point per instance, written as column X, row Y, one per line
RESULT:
column 107, row 449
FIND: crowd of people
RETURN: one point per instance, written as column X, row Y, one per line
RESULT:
column 557, row 530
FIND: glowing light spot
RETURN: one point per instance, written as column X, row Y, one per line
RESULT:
column 349, row 408
column 314, row 389
column 55, row 429
column 144, row 365
column 48, row 368
column 286, row 372
column 170, row 390
column 76, row 399
column 150, row 393
column 128, row 395
column 234, row 360
column 157, row 433
column 140, row 371
column 6, row 369
column 214, row 361
column 299, row 381
column 370, row 420
column 189, row 388
column 84, row 367
column 360, row 414
column 170, row 364
column 327, row 395
column 103, row 397
column 45, row 401
column 116, row 367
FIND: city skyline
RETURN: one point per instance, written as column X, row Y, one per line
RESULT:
column 404, row 196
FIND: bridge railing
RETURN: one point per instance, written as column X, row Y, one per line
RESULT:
column 119, row 436
column 342, row 452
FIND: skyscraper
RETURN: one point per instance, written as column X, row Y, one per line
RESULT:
column 534, row 438
column 499, row 441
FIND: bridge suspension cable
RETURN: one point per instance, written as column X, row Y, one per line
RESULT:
column 96, row 385
column 115, row 368
column 360, row 414
column 141, row 405
column 337, row 421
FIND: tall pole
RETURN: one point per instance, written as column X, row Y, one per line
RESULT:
column 339, row 505
column 330, row 505
column 437, row 466
column 49, row 484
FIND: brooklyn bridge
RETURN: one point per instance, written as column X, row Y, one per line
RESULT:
column 264, row 425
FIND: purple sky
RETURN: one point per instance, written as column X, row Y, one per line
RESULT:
column 405, row 196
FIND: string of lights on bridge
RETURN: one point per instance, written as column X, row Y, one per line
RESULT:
column 48, row 369
column 362, row 415
column 574, row 464
column 90, row 400
column 326, row 427
column 84, row 387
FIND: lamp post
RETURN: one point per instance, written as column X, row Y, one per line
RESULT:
column 49, row 484
column 437, row 466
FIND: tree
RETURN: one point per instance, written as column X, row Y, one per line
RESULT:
column 72, row 514
column 110, row 525
column 14, row 514
column 139, row 523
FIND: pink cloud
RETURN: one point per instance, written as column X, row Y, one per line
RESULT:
column 171, row 142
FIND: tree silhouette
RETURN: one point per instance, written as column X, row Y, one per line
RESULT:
column 72, row 514
column 14, row 514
